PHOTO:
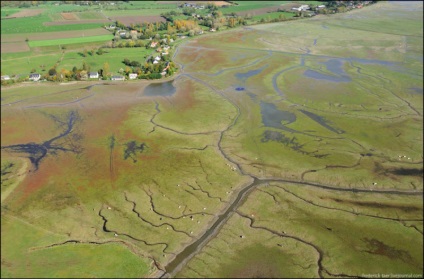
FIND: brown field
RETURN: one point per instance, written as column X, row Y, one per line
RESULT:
column 8, row 38
column 14, row 47
column 260, row 11
column 127, row 20
column 220, row 3
column 100, row 21
column 26, row 13
column 69, row 16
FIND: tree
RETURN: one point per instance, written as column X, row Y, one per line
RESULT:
column 231, row 22
column 85, row 67
column 85, row 53
column 106, row 69
column 131, row 43
column 128, row 70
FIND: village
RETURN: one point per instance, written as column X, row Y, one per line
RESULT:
column 191, row 19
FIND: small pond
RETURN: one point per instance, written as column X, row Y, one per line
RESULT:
column 163, row 89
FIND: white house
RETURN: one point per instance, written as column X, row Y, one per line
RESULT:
column 122, row 33
column 132, row 76
column 34, row 77
column 155, row 62
column 6, row 77
column 93, row 75
column 301, row 8
column 321, row 7
column 117, row 78
column 157, row 58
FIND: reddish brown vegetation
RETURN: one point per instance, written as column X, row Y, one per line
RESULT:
column 14, row 47
column 69, row 16
column 26, row 13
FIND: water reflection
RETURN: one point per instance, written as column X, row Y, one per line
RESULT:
column 163, row 89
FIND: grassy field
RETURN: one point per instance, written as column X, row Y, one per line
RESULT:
column 90, row 15
column 24, row 62
column 60, row 261
column 35, row 24
column 8, row 11
column 143, row 12
column 271, row 16
column 58, row 42
column 246, row 5
column 112, row 56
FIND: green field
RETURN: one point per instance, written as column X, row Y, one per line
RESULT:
column 274, row 15
column 8, row 11
column 35, row 24
column 112, row 56
column 90, row 15
column 66, row 41
column 141, row 12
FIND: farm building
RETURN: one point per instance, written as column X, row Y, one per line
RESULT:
column 5, row 77
column 34, row 77
column 132, row 76
column 117, row 78
column 93, row 75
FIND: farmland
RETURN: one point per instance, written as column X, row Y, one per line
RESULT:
column 281, row 150
column 65, row 41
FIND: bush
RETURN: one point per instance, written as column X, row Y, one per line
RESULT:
column 155, row 76
column 135, row 64
column 52, row 72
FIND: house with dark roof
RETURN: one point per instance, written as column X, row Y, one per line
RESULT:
column 34, row 77
column 117, row 78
